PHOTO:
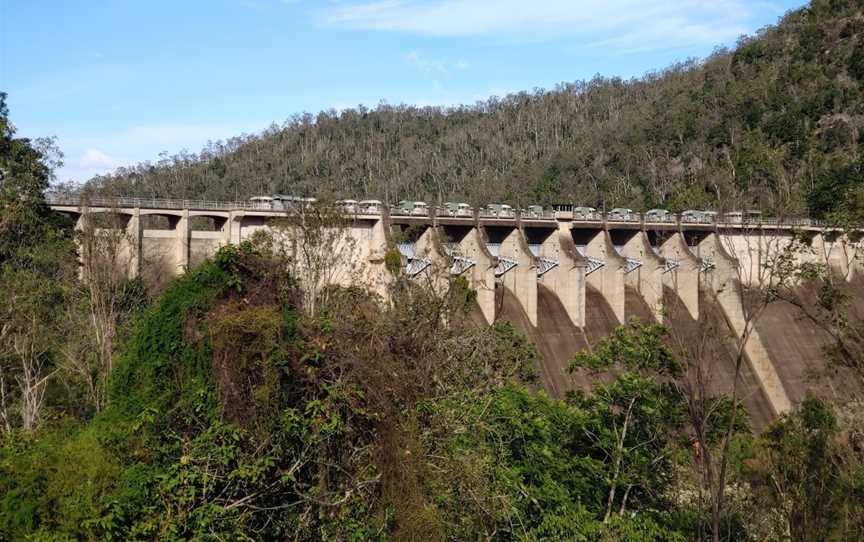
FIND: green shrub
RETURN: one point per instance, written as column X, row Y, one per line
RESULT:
column 393, row 262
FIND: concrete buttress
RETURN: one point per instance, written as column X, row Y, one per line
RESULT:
column 481, row 275
column 609, row 279
column 135, row 239
column 832, row 250
column 181, row 243
column 683, row 278
column 647, row 278
column 723, row 283
column 436, row 275
column 521, row 279
column 567, row 279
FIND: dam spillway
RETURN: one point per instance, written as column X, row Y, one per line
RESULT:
column 563, row 279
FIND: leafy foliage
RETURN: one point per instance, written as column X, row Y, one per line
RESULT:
column 235, row 415
column 37, row 271
column 393, row 262
column 514, row 465
column 635, row 347
column 804, row 470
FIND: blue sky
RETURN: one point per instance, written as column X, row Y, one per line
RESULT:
column 119, row 81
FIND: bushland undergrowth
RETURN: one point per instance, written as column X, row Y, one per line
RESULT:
column 236, row 414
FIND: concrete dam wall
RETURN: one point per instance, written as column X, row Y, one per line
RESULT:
column 567, row 283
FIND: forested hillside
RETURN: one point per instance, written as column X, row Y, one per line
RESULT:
column 767, row 124
column 246, row 401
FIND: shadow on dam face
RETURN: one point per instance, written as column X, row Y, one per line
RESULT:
column 711, row 339
column 856, row 288
column 556, row 338
column 635, row 306
column 795, row 344
column 798, row 348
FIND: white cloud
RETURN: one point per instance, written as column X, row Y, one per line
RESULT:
column 434, row 68
column 95, row 158
column 616, row 23
column 103, row 153
column 425, row 65
column 178, row 136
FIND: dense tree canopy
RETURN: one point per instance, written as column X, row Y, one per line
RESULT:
column 236, row 414
column 25, row 173
column 760, row 125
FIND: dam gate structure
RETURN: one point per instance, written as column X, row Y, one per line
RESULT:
column 564, row 278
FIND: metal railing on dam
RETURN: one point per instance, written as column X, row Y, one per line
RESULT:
column 154, row 203
column 633, row 218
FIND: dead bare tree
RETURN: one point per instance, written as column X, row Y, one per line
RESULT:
column 5, row 329
column 823, row 290
column 32, row 378
column 25, row 346
column 106, row 255
column 766, row 260
column 318, row 245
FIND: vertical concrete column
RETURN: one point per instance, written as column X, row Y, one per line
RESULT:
column 236, row 229
column 647, row 279
column 724, row 271
column 80, row 224
column 684, row 279
column 832, row 253
column 227, row 228
column 567, row 279
column 436, row 276
column 723, row 284
column 378, row 278
column 181, row 242
column 135, row 239
column 855, row 257
column 481, row 275
column 609, row 279
column 522, row 279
